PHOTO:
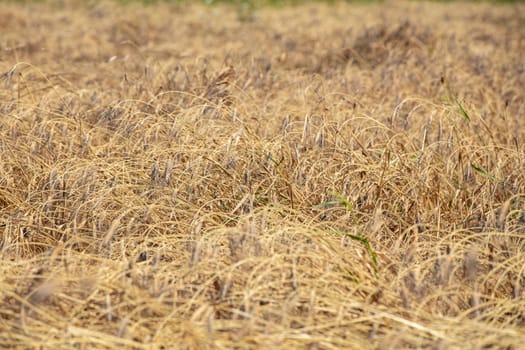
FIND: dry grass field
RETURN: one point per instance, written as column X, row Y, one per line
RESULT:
column 311, row 177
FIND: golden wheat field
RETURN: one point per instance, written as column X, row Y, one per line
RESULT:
column 345, row 176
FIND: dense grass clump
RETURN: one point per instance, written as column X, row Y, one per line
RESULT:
column 322, row 177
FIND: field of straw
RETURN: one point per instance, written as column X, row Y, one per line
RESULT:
column 344, row 176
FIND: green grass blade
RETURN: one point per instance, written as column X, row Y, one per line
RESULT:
column 365, row 242
column 463, row 111
column 483, row 172
column 343, row 200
